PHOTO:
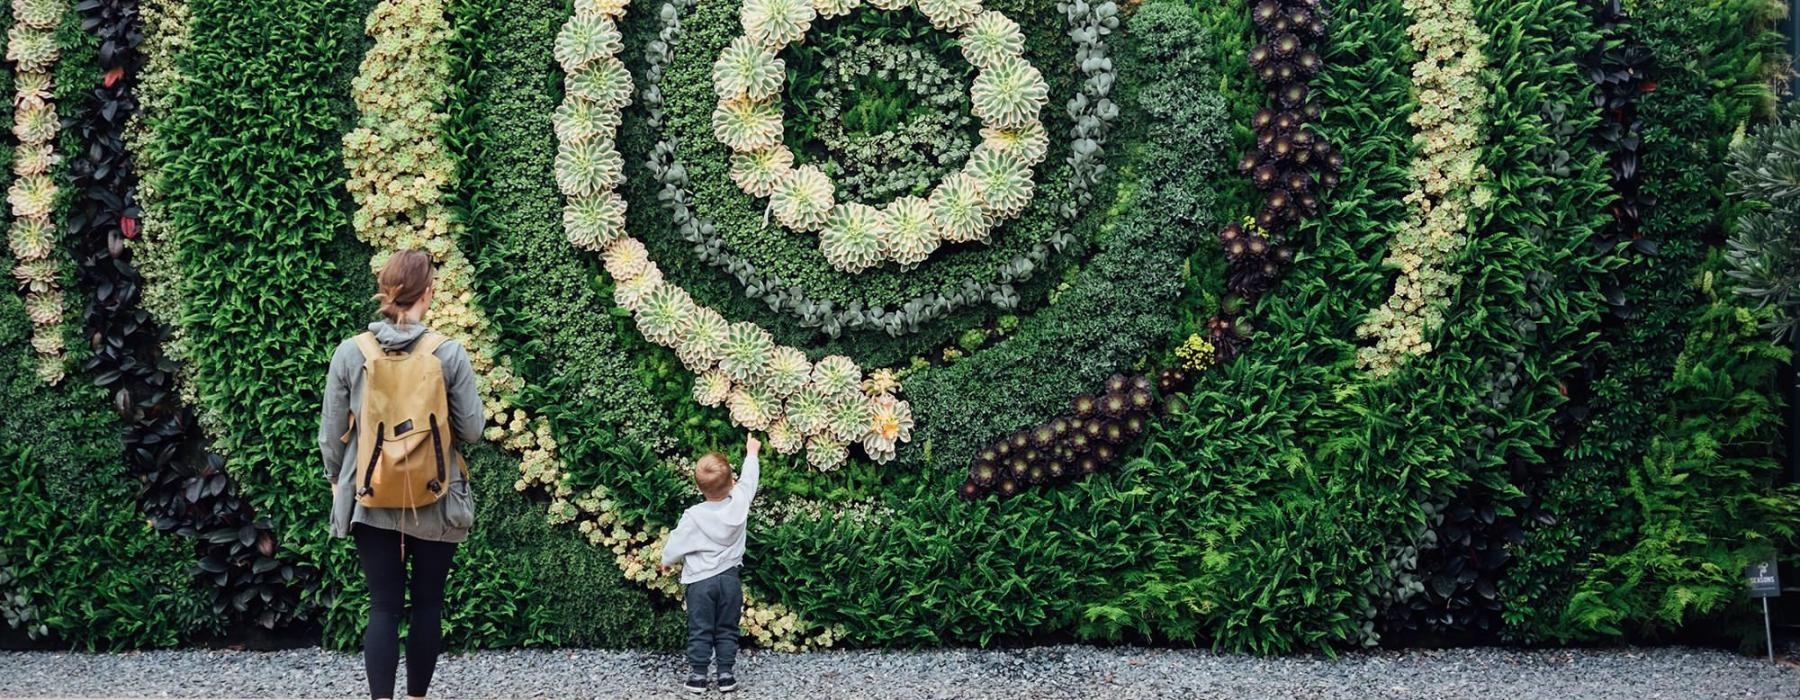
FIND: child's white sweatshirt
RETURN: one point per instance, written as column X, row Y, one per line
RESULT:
column 710, row 537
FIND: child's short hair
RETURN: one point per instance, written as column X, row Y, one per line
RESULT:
column 713, row 475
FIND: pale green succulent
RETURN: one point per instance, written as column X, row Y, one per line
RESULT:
column 853, row 237
column 31, row 50
column 809, row 411
column 36, row 124
column 701, row 338
column 594, row 222
column 789, row 371
column 626, row 258
column 958, row 209
column 803, row 199
column 783, row 439
column 828, row 9
column 757, row 172
column 890, row 423
column 950, row 15
column 588, row 168
column 745, row 354
column 1008, row 94
column 37, row 275
column 580, row 119
column 748, row 70
column 31, row 239
column 50, row 370
column 1029, row 143
column 46, row 338
column 609, row 8
column 776, row 23
column 585, row 38
column 34, row 159
column 992, row 38
column 663, row 313
column 32, row 89
column 850, row 419
column 711, row 388
column 837, row 375
column 630, row 293
column 912, row 233
column 604, row 81
column 44, row 308
column 746, row 125
column 1005, row 181
column 890, row 5
column 825, row 453
column 40, row 14
column 753, row 407
column 33, row 196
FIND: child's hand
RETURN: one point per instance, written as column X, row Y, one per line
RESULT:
column 752, row 446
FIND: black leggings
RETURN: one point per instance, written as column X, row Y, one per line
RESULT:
column 384, row 567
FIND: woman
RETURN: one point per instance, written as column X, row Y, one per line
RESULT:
column 387, row 537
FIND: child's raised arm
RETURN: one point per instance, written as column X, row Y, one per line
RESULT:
column 751, row 473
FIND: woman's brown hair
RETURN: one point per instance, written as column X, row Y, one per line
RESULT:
column 403, row 280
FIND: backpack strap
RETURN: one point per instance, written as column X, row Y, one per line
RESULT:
column 430, row 343
column 370, row 347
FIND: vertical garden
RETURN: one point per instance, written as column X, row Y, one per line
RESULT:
column 1265, row 325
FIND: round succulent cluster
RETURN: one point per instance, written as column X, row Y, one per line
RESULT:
column 1008, row 95
column 31, row 46
column 1291, row 164
column 823, row 408
column 588, row 165
column 1088, row 27
column 1089, row 437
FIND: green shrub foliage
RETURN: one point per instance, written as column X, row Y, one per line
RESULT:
column 1587, row 449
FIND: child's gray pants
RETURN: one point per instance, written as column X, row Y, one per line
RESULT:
column 713, row 605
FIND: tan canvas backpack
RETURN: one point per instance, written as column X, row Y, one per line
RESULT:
column 404, row 447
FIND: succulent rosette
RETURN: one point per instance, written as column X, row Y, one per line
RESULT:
column 803, row 200
column 758, row 172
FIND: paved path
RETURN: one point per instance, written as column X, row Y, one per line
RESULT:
column 1046, row 673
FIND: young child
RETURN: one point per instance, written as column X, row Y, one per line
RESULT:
column 709, row 542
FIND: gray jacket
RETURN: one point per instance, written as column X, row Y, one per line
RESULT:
column 447, row 520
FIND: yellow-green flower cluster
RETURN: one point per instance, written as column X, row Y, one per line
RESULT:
column 400, row 169
column 1449, row 183
column 1196, row 353
column 1008, row 95
column 31, row 46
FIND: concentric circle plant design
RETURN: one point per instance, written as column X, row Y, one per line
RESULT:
column 995, row 184
column 1090, row 108
column 766, row 387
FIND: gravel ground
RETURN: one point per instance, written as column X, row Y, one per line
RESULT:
column 1046, row 673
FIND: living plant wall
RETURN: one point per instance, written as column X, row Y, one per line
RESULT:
column 1272, row 326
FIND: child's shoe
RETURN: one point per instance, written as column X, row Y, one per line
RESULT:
column 727, row 682
column 696, row 683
